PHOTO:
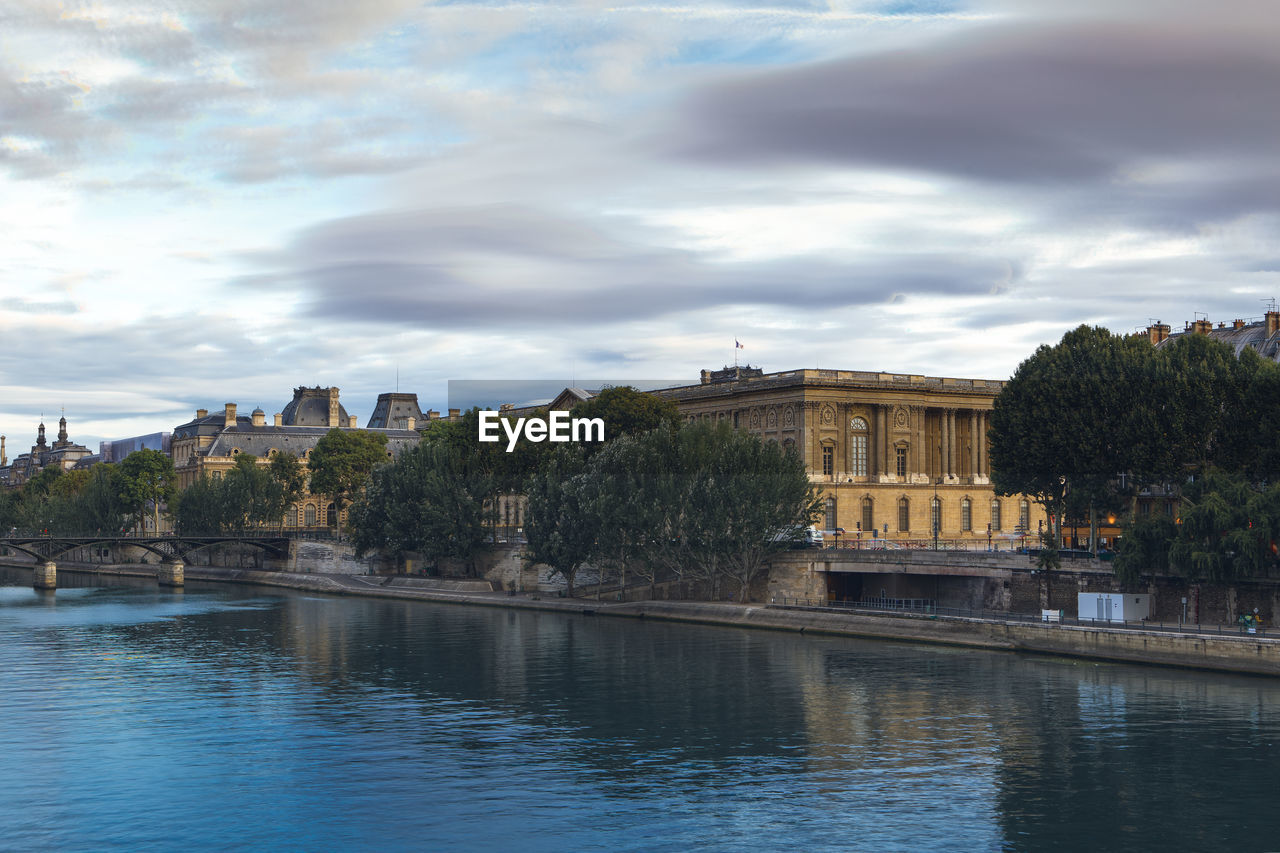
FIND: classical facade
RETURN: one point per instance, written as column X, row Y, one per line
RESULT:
column 894, row 455
column 208, row 444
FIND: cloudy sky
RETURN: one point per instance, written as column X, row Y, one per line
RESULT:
column 205, row 201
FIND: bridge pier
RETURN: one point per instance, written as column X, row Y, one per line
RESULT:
column 45, row 576
column 170, row 573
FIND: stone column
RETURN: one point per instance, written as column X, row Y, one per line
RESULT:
column 170, row 574
column 947, row 424
column 973, row 445
column 46, row 575
column 878, row 442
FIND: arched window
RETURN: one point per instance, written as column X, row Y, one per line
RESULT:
column 331, row 516
column 966, row 514
column 310, row 515
column 904, row 515
column 858, row 447
column 830, row 508
column 935, row 516
column 995, row 515
column 868, row 518
column 1024, row 516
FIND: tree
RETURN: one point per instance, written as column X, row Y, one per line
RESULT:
column 431, row 500
column 561, row 532
column 100, row 506
column 342, row 462
column 626, row 411
column 146, row 480
column 291, row 474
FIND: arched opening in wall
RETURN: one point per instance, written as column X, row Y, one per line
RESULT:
column 829, row 514
column 966, row 515
column 331, row 515
column 858, row 432
column 995, row 514
column 904, row 515
column 868, row 515
column 310, row 515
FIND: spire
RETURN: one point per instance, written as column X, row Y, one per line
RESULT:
column 62, row 430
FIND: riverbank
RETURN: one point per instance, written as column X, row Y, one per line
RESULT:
column 1223, row 653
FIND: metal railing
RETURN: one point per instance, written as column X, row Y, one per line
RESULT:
column 926, row 607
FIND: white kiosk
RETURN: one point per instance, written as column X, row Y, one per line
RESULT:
column 1112, row 606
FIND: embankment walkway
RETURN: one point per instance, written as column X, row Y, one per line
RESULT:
column 1225, row 653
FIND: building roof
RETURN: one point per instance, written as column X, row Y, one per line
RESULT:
column 260, row 440
column 310, row 407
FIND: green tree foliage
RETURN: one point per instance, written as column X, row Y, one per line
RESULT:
column 626, row 411
column 291, row 474
column 431, row 500
column 562, row 532
column 342, row 462
column 705, row 502
column 147, row 480
column 205, row 507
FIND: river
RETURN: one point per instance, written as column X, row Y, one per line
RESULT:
column 227, row 717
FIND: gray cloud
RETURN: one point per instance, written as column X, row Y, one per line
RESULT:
column 1013, row 104
column 509, row 266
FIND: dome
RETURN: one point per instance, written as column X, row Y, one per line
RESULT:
column 310, row 407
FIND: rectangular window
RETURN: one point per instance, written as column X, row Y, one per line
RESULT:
column 995, row 515
column 868, row 523
column 830, row 514
column 1024, row 516
column 828, row 460
column 902, row 462
column 966, row 515
column 904, row 515
column 935, row 513
column 858, row 456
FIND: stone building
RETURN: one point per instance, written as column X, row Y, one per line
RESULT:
column 63, row 453
column 208, row 444
column 893, row 455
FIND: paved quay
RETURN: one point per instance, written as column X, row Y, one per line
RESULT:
column 1223, row 653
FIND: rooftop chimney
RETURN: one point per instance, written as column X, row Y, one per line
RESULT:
column 279, row 418
column 351, row 421
column 432, row 415
column 410, row 423
column 1157, row 332
column 1202, row 327
column 333, row 408
column 1273, row 322
column 229, row 415
column 202, row 413
column 454, row 414
column 259, row 417
column 1237, row 324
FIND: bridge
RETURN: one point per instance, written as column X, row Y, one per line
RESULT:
column 173, row 550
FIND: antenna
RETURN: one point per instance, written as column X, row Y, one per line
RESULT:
column 1271, row 303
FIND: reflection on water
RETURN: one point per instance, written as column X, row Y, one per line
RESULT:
column 242, row 717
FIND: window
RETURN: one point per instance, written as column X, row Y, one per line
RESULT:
column 1024, row 516
column 868, row 520
column 828, row 460
column 902, row 462
column 966, row 514
column 858, row 448
column 935, row 516
column 310, row 515
column 904, row 515
column 995, row 515
column 830, row 523
column 293, row 517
